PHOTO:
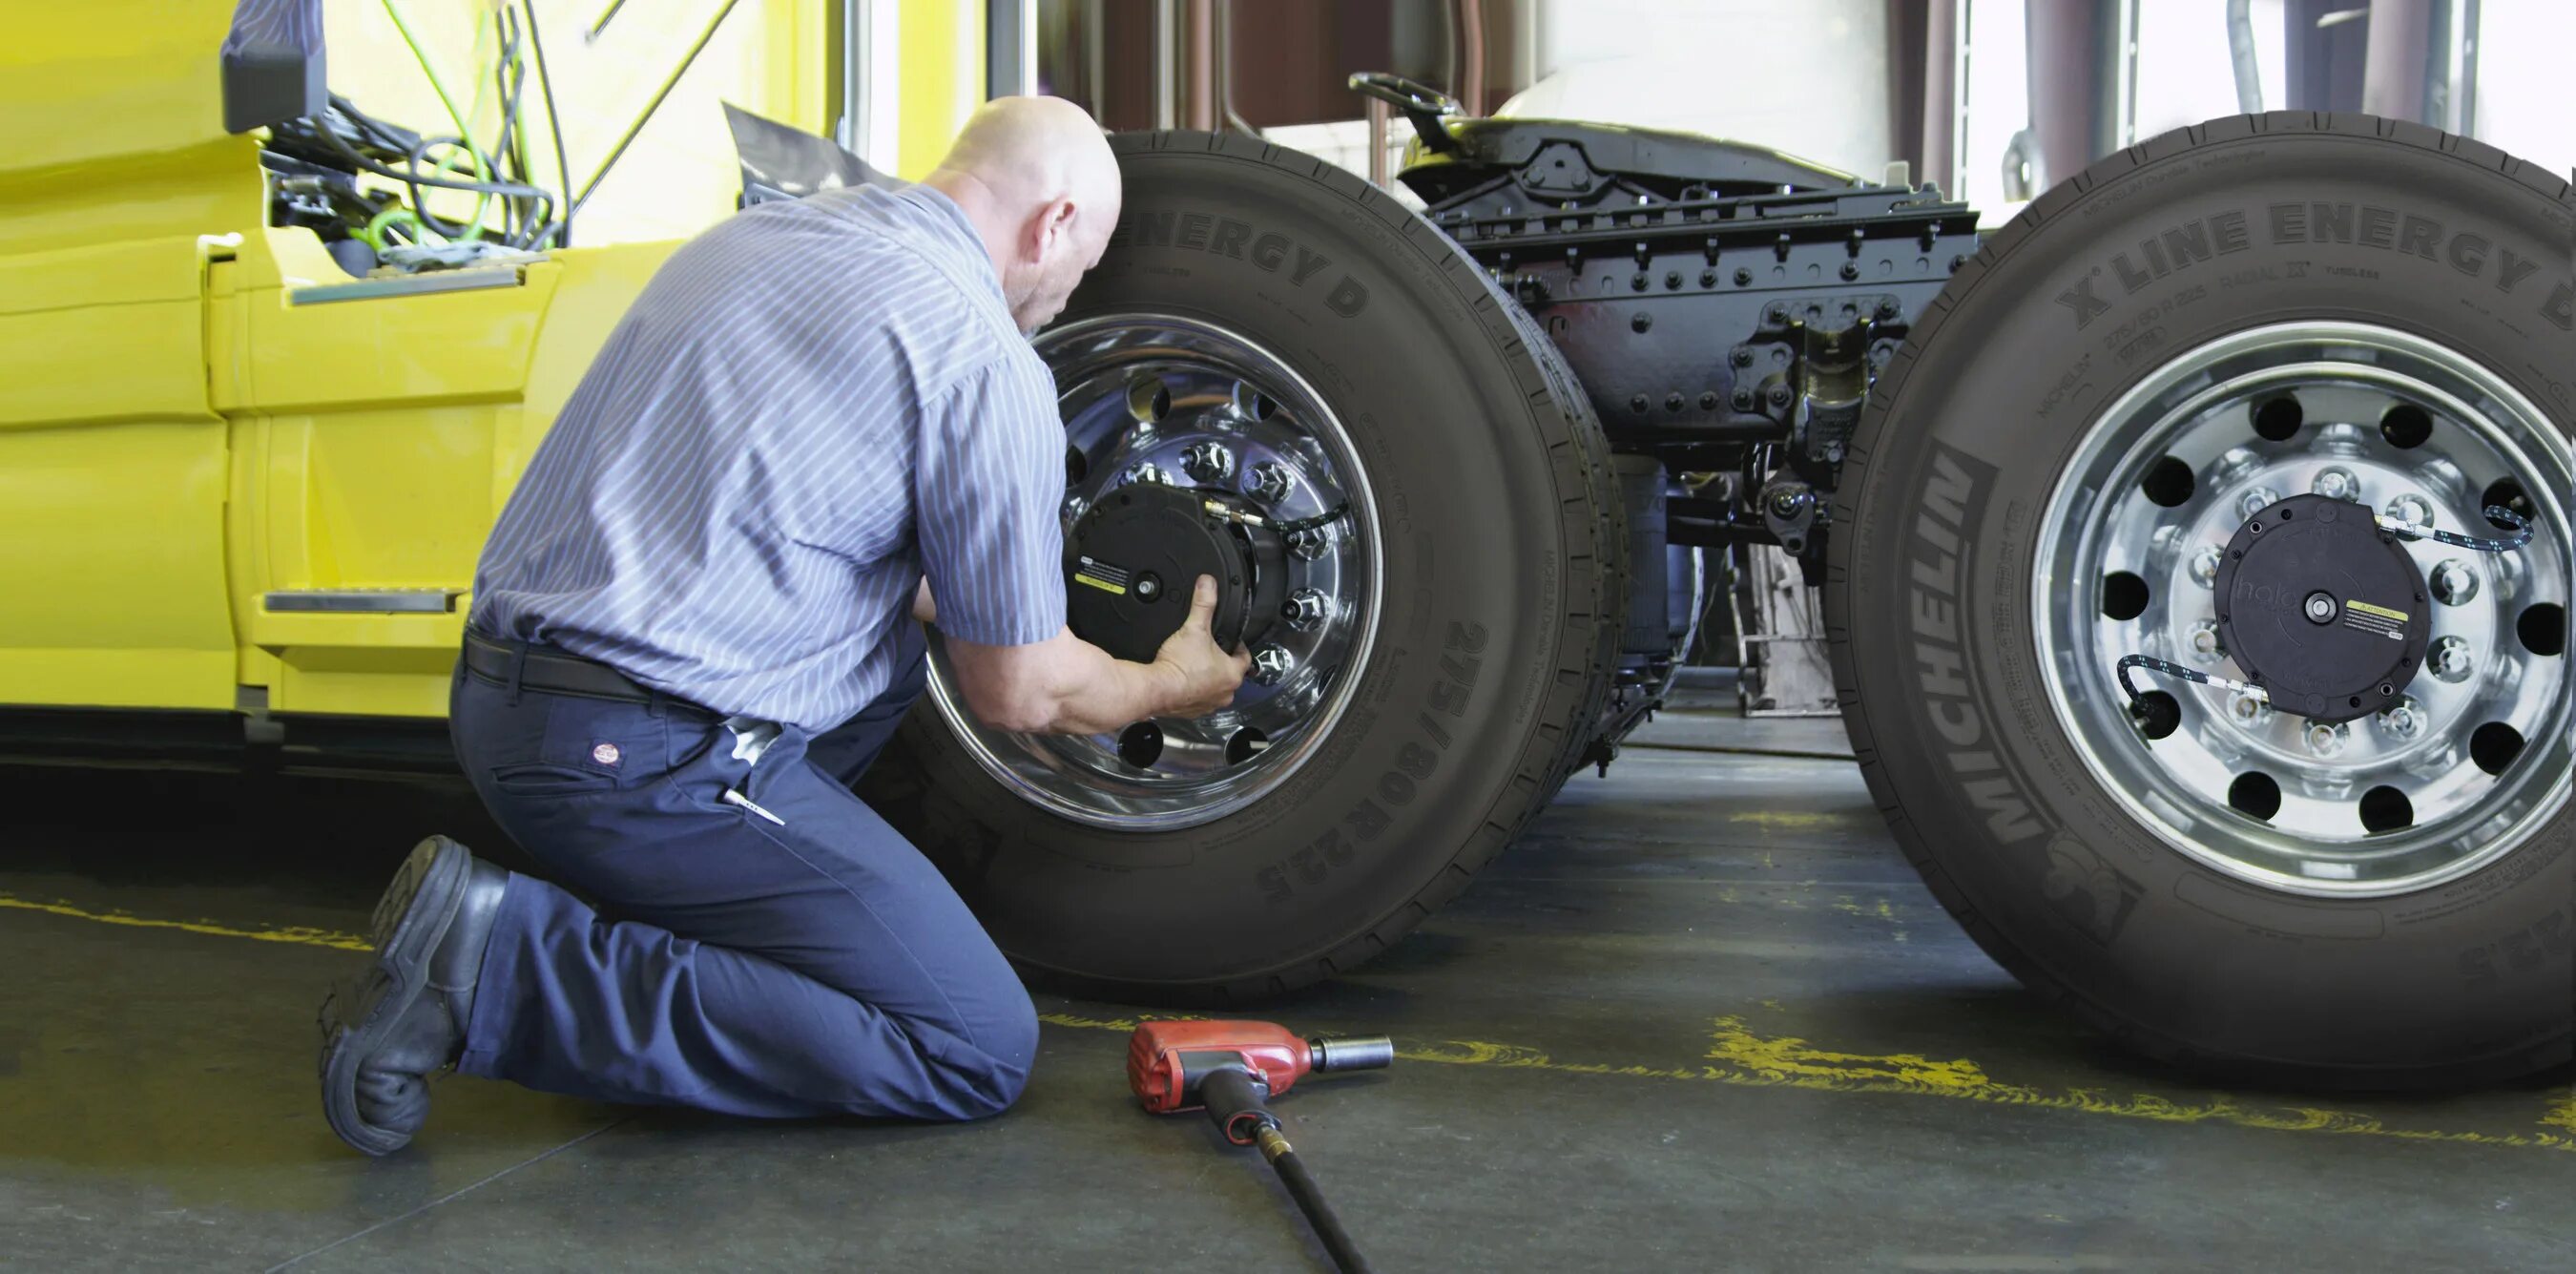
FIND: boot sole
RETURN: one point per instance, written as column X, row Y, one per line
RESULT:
column 409, row 921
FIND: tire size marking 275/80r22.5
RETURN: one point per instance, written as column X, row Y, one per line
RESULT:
column 1449, row 695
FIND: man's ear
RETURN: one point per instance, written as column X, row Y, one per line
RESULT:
column 1051, row 228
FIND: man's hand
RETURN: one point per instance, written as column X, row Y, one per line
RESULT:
column 1065, row 685
column 1205, row 674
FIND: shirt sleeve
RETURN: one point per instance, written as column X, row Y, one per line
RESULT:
column 988, row 486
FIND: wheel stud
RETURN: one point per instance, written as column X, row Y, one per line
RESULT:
column 2248, row 711
column 2403, row 720
column 1271, row 665
column 1270, row 482
column 2204, row 564
column 2203, row 642
column 2336, row 484
column 2454, row 583
column 1209, row 461
column 2255, row 501
column 2411, row 508
column 2328, row 740
column 2450, row 659
column 1306, row 609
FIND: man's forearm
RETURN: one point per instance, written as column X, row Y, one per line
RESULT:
column 1063, row 685
column 1111, row 696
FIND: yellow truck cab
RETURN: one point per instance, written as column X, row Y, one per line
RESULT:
column 236, row 481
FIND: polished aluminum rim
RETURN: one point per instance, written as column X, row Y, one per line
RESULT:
column 1160, row 398
column 2474, row 759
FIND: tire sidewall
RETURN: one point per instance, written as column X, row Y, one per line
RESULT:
column 2015, row 827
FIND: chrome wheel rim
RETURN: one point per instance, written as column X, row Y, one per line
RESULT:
column 1162, row 398
column 2479, row 757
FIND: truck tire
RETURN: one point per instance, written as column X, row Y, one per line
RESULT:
column 2191, row 330
column 1484, row 515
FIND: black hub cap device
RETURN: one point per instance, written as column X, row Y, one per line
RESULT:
column 1132, row 560
column 2322, row 609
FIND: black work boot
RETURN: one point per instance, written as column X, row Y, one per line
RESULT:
column 404, row 1017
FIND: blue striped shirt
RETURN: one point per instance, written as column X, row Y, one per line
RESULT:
column 809, row 406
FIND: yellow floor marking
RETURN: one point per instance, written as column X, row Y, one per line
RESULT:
column 1736, row 1056
column 2564, row 1116
column 1787, row 1061
column 1795, row 820
column 1110, row 1023
column 1849, row 905
column 301, row 937
column 1745, row 1059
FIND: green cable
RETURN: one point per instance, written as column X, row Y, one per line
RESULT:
column 474, row 58
column 482, row 199
column 374, row 233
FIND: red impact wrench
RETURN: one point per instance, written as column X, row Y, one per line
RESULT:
column 1231, row 1069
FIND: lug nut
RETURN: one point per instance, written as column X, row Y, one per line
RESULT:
column 2450, row 659
column 1306, row 608
column 2336, row 484
column 1271, row 664
column 1148, row 472
column 2403, row 720
column 1306, row 546
column 2248, row 711
column 2205, row 563
column 2255, row 501
column 2328, row 740
column 2454, row 583
column 1074, row 507
column 1270, row 482
column 2411, row 508
column 2203, row 642
column 1208, row 461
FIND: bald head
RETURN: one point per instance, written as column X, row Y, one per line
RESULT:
column 1035, row 176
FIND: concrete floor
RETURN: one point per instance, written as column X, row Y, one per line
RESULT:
column 1702, row 1017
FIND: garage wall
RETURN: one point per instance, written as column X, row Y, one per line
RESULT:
column 2524, row 50
column 1809, row 78
column 2184, row 76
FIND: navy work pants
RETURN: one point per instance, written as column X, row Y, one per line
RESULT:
column 696, row 953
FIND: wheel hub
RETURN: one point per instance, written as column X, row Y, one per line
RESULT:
column 1194, row 450
column 2308, row 797
column 1132, row 561
column 2322, row 609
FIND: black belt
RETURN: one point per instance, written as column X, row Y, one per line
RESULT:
column 553, row 671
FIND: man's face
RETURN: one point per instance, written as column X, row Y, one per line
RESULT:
column 1062, row 258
